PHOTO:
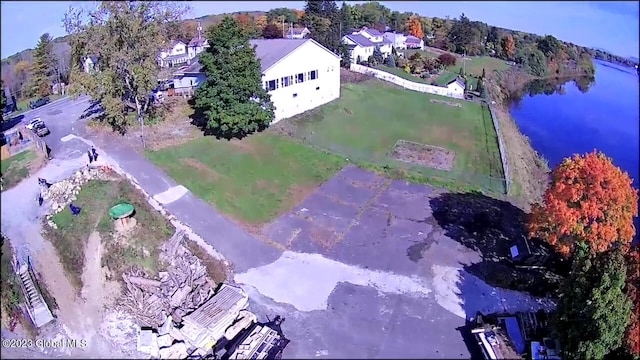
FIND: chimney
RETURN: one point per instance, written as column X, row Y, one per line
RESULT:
column 199, row 30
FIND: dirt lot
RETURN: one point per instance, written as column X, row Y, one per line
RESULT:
column 423, row 155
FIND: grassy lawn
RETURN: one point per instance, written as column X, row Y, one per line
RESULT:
column 475, row 64
column 17, row 168
column 368, row 119
column 401, row 73
column 96, row 198
column 409, row 52
column 446, row 77
column 252, row 180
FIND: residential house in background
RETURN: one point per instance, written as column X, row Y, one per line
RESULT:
column 176, row 54
column 299, row 74
column 398, row 41
column 456, row 87
column 188, row 78
column 360, row 47
column 378, row 39
column 297, row 33
column 90, row 63
column 413, row 42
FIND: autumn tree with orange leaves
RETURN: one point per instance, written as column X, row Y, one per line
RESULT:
column 590, row 200
column 248, row 23
column 508, row 47
column 415, row 27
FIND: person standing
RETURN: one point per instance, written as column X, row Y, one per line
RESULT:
column 95, row 153
column 90, row 155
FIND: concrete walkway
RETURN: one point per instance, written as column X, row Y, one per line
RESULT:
column 239, row 247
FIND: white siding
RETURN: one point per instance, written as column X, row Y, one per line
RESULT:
column 296, row 98
column 363, row 52
column 189, row 80
column 456, row 89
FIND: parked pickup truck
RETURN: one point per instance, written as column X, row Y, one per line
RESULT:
column 34, row 122
column 39, row 102
column 41, row 129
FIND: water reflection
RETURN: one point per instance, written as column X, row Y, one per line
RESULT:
column 550, row 87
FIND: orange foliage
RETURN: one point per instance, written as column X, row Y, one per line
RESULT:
column 261, row 21
column 415, row 27
column 508, row 46
column 589, row 199
column 244, row 20
column 632, row 337
column 299, row 14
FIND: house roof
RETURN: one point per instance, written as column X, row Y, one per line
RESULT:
column 174, row 57
column 197, row 41
column 176, row 42
column 372, row 32
column 360, row 40
column 458, row 81
column 386, row 41
column 412, row 39
column 269, row 51
column 93, row 58
column 297, row 31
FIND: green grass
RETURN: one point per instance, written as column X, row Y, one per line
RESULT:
column 473, row 65
column 401, row 73
column 409, row 52
column 368, row 119
column 17, row 168
column 95, row 198
column 446, row 77
column 254, row 179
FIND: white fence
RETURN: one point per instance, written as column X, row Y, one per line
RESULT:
column 424, row 88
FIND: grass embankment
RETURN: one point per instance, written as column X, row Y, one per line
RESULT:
column 18, row 167
column 140, row 247
column 368, row 119
column 254, row 179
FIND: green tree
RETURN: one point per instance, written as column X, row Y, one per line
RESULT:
column 378, row 58
column 289, row 15
column 461, row 71
column 232, row 102
column 484, row 74
column 345, row 55
column 42, row 66
column 391, row 61
column 593, row 312
column 346, row 18
column 126, row 37
column 549, row 45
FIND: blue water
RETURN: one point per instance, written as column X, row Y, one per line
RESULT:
column 605, row 117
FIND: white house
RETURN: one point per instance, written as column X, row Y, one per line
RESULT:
column 176, row 54
column 196, row 46
column 398, row 41
column 90, row 63
column 188, row 78
column 299, row 74
column 456, row 87
column 413, row 42
column 360, row 47
column 377, row 38
column 297, row 33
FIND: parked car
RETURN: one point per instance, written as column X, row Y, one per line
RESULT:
column 41, row 129
column 39, row 102
column 31, row 125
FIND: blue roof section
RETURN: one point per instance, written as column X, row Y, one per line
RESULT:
column 373, row 32
column 513, row 330
column 360, row 40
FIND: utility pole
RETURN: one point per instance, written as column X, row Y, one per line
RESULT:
column 283, row 32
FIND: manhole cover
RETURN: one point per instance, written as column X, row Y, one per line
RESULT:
column 55, row 112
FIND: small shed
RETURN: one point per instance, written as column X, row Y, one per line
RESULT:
column 456, row 86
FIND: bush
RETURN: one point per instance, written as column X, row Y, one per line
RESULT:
column 391, row 61
column 447, row 59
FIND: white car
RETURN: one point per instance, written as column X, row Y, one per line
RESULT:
column 31, row 125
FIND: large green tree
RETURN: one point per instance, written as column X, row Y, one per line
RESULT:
column 594, row 311
column 232, row 102
column 42, row 67
column 126, row 37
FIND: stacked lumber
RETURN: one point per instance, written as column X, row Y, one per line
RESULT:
column 178, row 291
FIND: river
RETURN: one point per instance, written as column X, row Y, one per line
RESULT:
column 565, row 117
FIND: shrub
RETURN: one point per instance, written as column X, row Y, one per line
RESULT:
column 447, row 59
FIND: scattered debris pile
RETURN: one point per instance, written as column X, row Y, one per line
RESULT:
column 183, row 317
column 181, row 289
column 62, row 193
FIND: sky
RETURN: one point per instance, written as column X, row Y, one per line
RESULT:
column 609, row 25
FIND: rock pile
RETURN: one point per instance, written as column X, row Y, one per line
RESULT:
column 62, row 193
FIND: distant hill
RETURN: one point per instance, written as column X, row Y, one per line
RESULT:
column 634, row 59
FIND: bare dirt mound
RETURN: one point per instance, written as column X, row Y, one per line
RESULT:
column 423, row 155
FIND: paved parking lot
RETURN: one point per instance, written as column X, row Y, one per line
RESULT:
column 370, row 273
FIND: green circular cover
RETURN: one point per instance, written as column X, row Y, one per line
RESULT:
column 121, row 210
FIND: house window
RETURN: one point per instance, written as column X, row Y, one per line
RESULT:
column 295, row 95
column 286, row 81
column 313, row 74
column 317, row 87
column 272, row 85
column 300, row 78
